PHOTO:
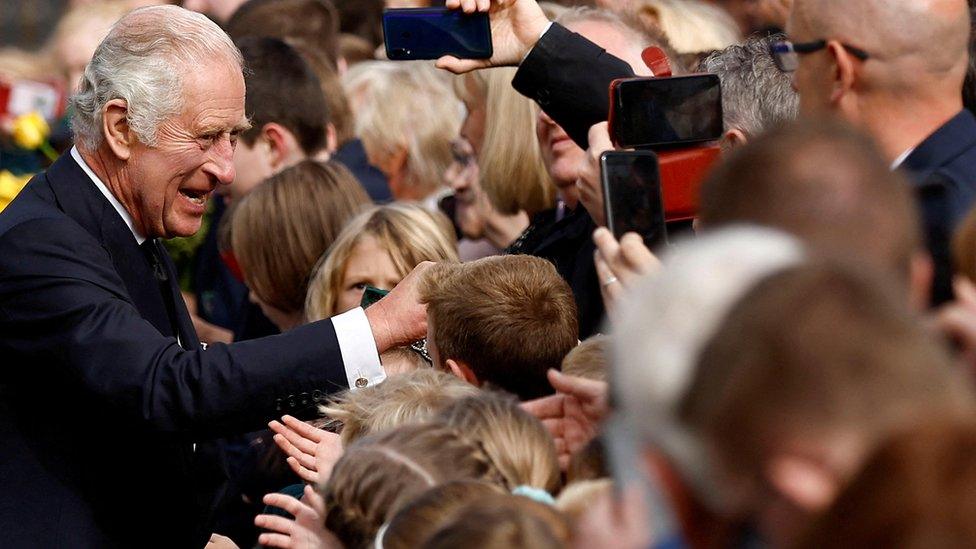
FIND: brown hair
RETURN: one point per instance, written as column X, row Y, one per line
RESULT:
column 503, row 522
column 815, row 351
column 426, row 514
column 825, row 183
column 408, row 232
column 917, row 491
column 379, row 474
column 311, row 23
column 408, row 398
column 280, row 229
column 339, row 112
column 590, row 359
column 508, row 318
column 517, row 442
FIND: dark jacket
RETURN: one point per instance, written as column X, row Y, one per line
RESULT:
column 943, row 170
column 99, row 405
column 353, row 156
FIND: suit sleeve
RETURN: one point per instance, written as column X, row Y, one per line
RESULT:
column 569, row 77
column 63, row 307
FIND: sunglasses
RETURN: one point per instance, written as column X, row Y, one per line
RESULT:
column 786, row 54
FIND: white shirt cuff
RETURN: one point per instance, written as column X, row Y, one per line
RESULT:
column 359, row 354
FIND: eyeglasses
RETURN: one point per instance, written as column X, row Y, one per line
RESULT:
column 786, row 54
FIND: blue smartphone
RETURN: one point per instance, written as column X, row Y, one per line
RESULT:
column 429, row 33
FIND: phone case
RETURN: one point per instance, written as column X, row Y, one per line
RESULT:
column 430, row 33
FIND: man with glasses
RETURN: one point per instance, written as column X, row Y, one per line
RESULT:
column 895, row 69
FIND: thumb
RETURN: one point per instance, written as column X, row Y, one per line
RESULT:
column 460, row 66
column 584, row 389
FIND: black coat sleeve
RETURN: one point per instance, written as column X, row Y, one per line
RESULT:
column 64, row 311
column 569, row 77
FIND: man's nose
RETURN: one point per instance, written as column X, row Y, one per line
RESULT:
column 221, row 165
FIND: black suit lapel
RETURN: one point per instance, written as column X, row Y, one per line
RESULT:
column 188, row 334
column 78, row 197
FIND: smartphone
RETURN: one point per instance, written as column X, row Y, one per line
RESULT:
column 429, row 33
column 632, row 195
column 665, row 112
column 372, row 295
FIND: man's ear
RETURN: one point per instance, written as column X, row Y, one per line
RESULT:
column 805, row 483
column 921, row 271
column 734, row 138
column 115, row 127
column 461, row 370
column 331, row 138
column 843, row 76
column 283, row 147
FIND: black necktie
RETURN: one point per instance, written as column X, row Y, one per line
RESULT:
column 154, row 255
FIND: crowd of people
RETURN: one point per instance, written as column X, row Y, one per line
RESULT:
column 265, row 287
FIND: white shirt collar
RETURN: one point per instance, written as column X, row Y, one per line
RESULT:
column 108, row 195
column 901, row 159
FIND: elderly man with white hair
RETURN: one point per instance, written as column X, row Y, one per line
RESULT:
column 105, row 386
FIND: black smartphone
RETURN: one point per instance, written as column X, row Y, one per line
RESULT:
column 372, row 295
column 429, row 33
column 632, row 195
column 660, row 112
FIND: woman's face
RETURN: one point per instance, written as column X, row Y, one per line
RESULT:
column 471, row 205
column 369, row 264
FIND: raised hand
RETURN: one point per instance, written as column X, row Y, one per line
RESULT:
column 573, row 414
column 311, row 452
column 306, row 531
column 516, row 25
column 399, row 318
column 619, row 265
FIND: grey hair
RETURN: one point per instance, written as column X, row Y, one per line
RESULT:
column 141, row 62
column 668, row 320
column 756, row 95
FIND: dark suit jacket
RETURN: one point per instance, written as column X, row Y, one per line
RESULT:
column 943, row 170
column 99, row 405
column 569, row 77
column 568, row 244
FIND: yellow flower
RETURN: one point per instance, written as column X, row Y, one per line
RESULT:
column 30, row 130
column 10, row 185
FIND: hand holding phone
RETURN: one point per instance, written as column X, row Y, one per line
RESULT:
column 431, row 33
column 632, row 195
column 664, row 112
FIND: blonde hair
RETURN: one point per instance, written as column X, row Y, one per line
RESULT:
column 516, row 441
column 408, row 232
column 412, row 397
column 577, row 498
column 512, row 172
column 379, row 474
column 692, row 26
column 426, row 514
column 410, row 106
column 279, row 230
column 503, row 522
column 590, row 359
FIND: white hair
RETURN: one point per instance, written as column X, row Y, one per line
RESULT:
column 141, row 62
column 668, row 320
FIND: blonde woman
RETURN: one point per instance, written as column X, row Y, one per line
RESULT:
column 280, row 230
column 378, row 248
column 406, row 116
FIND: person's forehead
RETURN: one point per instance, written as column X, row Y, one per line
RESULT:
column 214, row 95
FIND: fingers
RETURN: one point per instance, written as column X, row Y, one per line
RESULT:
column 545, row 407
column 610, row 286
column 599, row 139
column 586, row 390
column 312, row 433
column 286, row 502
column 306, row 474
column 273, row 540
column 636, row 256
column 288, row 448
column 314, row 500
column 460, row 66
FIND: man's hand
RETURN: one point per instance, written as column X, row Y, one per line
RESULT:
column 516, row 25
column 312, row 452
column 619, row 265
column 399, row 318
column 573, row 414
column 307, row 531
column 588, row 179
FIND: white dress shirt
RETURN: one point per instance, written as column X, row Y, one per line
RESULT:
column 359, row 354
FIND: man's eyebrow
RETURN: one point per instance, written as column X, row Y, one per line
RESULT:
column 242, row 126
